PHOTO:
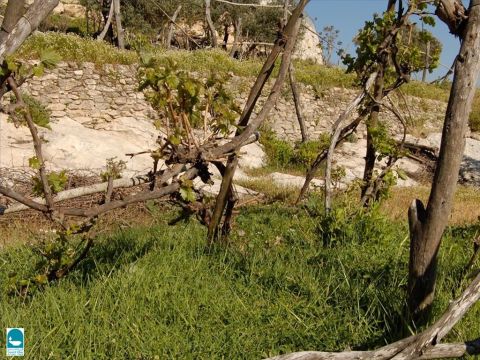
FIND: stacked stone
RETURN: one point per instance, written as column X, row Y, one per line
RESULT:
column 97, row 95
column 91, row 95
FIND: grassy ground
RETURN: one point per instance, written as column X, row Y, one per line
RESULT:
column 290, row 280
column 465, row 209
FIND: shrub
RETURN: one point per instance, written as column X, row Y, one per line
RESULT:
column 74, row 48
column 342, row 225
column 64, row 23
column 305, row 153
column 282, row 154
column 279, row 152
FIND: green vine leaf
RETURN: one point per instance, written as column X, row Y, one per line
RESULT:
column 188, row 194
column 34, row 163
column 49, row 58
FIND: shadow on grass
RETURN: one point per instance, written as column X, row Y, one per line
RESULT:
column 111, row 253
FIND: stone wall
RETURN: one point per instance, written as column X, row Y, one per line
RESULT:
column 96, row 96
column 92, row 96
column 322, row 109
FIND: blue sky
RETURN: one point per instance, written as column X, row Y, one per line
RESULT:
column 349, row 16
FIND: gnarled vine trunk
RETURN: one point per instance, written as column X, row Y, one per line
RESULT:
column 427, row 225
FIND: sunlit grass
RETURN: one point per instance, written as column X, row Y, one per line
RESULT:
column 157, row 292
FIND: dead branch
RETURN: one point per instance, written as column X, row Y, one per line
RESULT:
column 437, row 352
column 76, row 193
column 37, row 143
column 141, row 197
column 336, row 133
column 297, row 102
column 22, row 199
column 435, row 333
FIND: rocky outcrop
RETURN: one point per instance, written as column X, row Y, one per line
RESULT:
column 308, row 45
column 71, row 8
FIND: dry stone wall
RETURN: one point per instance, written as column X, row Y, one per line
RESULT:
column 96, row 96
column 322, row 109
column 92, row 96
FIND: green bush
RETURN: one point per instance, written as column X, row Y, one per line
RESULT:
column 305, row 153
column 74, row 48
column 342, row 225
column 474, row 121
column 282, row 154
column 279, row 152
column 64, row 23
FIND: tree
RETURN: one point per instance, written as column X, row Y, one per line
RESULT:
column 15, row 33
column 225, row 201
column 328, row 38
column 14, row 10
column 260, row 23
column 118, row 22
column 113, row 11
column 386, row 46
column 211, row 27
column 381, row 51
column 427, row 225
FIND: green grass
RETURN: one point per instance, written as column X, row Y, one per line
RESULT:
column 75, row 48
column 156, row 292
